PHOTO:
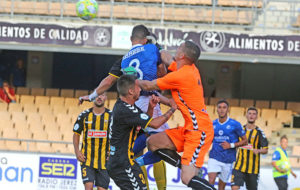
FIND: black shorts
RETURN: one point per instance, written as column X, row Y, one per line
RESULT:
column 281, row 183
column 128, row 177
column 97, row 176
column 238, row 178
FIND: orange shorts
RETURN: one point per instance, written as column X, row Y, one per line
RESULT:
column 193, row 144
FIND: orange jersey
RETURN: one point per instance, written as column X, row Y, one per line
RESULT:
column 187, row 91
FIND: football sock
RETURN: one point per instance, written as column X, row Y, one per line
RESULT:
column 170, row 156
column 159, row 170
column 145, row 176
column 148, row 158
column 198, row 183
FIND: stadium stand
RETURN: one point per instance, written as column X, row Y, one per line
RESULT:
column 37, row 91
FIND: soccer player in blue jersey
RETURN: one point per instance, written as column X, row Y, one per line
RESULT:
column 145, row 58
column 223, row 153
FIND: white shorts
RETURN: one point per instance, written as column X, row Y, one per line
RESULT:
column 224, row 169
column 143, row 103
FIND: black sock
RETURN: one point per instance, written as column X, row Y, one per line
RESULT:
column 170, row 156
column 198, row 183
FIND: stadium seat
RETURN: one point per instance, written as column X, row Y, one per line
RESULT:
column 54, row 136
column 9, row 132
column 52, row 92
column 266, row 114
column 294, row 106
column 32, row 117
column 18, row 116
column 57, row 101
column 75, row 110
column 79, row 93
column 59, row 147
column 3, row 145
column 295, row 162
column 44, row 147
column 29, row 108
column 62, row 118
column 71, row 102
column 112, row 95
column 274, row 124
column 69, row 93
column 59, row 109
column 67, row 135
column 296, row 151
column 278, row 105
column 17, row 98
column 86, row 105
column 242, row 119
column 233, row 102
column 5, row 115
column 210, row 109
column 36, row 126
column 15, row 107
column 285, row 116
column 41, row 100
column 22, row 91
column 70, row 149
column 23, row 131
column 236, row 112
column 46, row 119
column 37, row 92
column 5, row 123
column 261, row 122
column 13, row 145
column 262, row 104
column 246, row 103
column 39, row 135
column 3, row 107
column 111, row 104
column 45, row 109
column 213, row 101
column 26, row 99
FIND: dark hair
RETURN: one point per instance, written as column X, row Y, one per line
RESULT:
column 139, row 32
column 223, row 101
column 252, row 108
column 191, row 51
column 124, row 83
column 283, row 137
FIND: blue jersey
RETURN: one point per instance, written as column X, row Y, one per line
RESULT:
column 229, row 131
column 144, row 58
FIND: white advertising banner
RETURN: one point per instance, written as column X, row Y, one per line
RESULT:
column 57, row 172
column 121, row 36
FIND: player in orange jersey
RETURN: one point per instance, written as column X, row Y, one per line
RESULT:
column 195, row 137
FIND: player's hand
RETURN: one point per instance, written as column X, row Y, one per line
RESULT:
column 225, row 145
column 82, row 99
column 173, row 104
column 80, row 156
column 154, row 100
column 295, row 176
column 256, row 151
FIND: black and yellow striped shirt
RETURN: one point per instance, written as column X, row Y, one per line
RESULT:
column 247, row 161
column 95, row 130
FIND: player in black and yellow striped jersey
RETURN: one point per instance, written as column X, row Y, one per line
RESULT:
column 246, row 169
column 93, row 124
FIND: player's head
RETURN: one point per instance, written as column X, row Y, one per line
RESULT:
column 284, row 142
column 100, row 100
column 222, row 108
column 5, row 84
column 128, row 87
column 139, row 34
column 251, row 115
column 189, row 51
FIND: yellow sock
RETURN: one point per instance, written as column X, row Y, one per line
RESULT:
column 145, row 175
column 159, row 170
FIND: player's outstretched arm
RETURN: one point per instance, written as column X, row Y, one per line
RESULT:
column 104, row 85
column 148, row 85
column 166, row 58
column 159, row 121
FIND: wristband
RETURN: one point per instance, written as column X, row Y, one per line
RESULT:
column 93, row 96
column 232, row 145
